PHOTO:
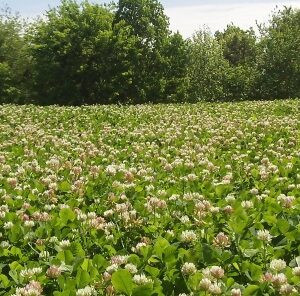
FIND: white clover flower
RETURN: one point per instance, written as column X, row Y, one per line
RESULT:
column 119, row 260
column 287, row 289
column 64, row 244
column 216, row 272
column 277, row 265
column 230, row 198
column 279, row 279
column 138, row 247
column 188, row 236
column 184, row 219
column 264, row 235
column 236, row 292
column 30, row 272
column 215, row 289
column 131, row 268
column 8, row 225
column 141, row 279
column 247, row 204
column 205, row 283
column 188, row 268
column 87, row 291
column 4, row 244
column 53, row 239
column 29, row 224
column 112, row 268
column 33, row 288
column 296, row 271
column 254, row 191
column 286, row 201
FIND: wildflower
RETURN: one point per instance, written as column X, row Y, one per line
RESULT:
column 287, row 289
column 112, row 268
column 205, row 283
column 279, row 279
column 29, row 273
column 33, row 288
column 267, row 278
column 264, row 235
column 64, row 244
column 188, row 268
column 138, row 247
column 188, row 236
column 254, row 191
column 87, row 291
column 286, row 201
column 230, row 198
column 228, row 210
column 13, row 182
column 277, row 265
column 54, row 271
column 4, row 244
column 141, row 279
column 296, row 271
column 131, row 268
column 184, row 219
column 221, row 240
column 8, row 225
column 29, row 224
column 215, row 289
column 236, row 292
column 248, row 204
column 217, row 272
column 119, row 260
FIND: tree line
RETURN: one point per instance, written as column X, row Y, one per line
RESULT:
column 85, row 53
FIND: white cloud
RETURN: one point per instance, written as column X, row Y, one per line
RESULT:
column 188, row 19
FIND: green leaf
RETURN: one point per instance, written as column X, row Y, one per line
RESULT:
column 139, row 188
column 160, row 245
column 223, row 189
column 122, row 281
column 66, row 215
column 250, row 290
column 4, row 280
column 152, row 270
column 99, row 261
column 64, row 186
column 145, row 290
column 283, row 225
column 250, row 252
column 82, row 278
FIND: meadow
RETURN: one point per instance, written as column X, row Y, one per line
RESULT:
column 190, row 199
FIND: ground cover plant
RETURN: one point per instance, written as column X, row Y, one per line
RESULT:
column 150, row 200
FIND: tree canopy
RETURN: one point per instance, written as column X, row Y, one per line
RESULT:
column 85, row 53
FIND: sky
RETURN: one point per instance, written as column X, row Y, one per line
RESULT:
column 186, row 16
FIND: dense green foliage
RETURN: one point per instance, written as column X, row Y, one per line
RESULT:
column 280, row 59
column 150, row 200
column 13, row 58
column 83, row 53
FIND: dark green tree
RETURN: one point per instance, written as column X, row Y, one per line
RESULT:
column 70, row 47
column 279, row 62
column 146, row 50
column 240, row 50
column 207, row 68
column 176, row 51
column 14, row 61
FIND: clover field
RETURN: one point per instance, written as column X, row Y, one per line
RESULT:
column 148, row 200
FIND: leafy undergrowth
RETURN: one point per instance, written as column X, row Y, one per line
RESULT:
column 150, row 200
